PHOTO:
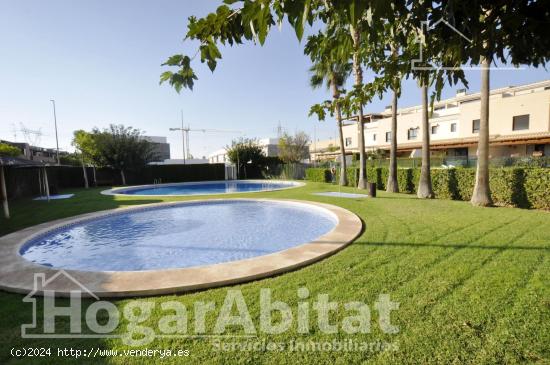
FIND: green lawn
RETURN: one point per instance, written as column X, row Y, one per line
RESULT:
column 473, row 285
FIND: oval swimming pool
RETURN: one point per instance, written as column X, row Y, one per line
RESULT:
column 204, row 188
column 180, row 235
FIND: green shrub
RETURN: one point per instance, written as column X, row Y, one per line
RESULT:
column 519, row 187
column 318, row 175
column 537, row 187
column 405, row 180
column 384, row 173
column 465, row 180
column 507, row 187
column 444, row 183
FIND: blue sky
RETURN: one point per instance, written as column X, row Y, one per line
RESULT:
column 100, row 60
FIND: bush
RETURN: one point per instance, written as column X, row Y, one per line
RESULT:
column 405, row 180
column 318, row 175
column 507, row 187
column 537, row 187
column 518, row 187
column 465, row 180
column 444, row 183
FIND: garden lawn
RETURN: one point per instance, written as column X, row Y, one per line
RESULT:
column 473, row 285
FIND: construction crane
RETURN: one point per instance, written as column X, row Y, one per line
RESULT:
column 185, row 135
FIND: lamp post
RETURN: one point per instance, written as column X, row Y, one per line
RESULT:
column 56, row 138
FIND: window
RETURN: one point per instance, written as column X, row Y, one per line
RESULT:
column 412, row 133
column 434, row 129
column 453, row 127
column 475, row 126
column 520, row 122
column 348, row 141
column 374, row 137
column 388, row 136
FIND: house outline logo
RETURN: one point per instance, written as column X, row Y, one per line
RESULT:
column 419, row 64
column 40, row 285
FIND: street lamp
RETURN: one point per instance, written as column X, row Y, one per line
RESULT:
column 56, row 139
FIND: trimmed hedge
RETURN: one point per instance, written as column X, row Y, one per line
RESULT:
column 537, row 187
column 318, row 174
column 518, row 187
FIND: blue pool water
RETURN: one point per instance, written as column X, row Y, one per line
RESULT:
column 182, row 235
column 199, row 188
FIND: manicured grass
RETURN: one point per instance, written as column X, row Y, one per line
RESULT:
column 473, row 285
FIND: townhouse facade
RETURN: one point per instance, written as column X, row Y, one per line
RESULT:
column 519, row 126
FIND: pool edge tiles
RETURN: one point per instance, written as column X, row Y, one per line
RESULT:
column 130, row 190
column 18, row 274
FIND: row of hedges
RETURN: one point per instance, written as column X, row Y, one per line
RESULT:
column 518, row 187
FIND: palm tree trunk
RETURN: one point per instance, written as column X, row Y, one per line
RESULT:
column 362, row 181
column 482, row 192
column 425, row 184
column 392, row 186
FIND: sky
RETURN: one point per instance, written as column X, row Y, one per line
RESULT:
column 101, row 61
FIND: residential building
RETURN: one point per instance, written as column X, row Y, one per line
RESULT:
column 161, row 147
column 519, row 126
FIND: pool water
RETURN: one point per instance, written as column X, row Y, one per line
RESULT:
column 181, row 235
column 200, row 188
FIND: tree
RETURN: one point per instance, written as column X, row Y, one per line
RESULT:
column 294, row 149
column 425, row 184
column 86, row 150
column 9, row 150
column 328, row 69
column 121, row 148
column 243, row 152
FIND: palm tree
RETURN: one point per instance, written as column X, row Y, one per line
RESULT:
column 482, row 193
column 425, row 184
column 334, row 75
column 392, row 186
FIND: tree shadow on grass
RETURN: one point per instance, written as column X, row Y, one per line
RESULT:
column 455, row 245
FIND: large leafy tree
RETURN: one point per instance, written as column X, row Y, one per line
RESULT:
column 243, row 152
column 328, row 70
column 86, row 149
column 121, row 148
column 294, row 148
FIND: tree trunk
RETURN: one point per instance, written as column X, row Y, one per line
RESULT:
column 362, row 181
column 392, row 186
column 95, row 177
column 4, row 193
column 343, row 174
column 425, row 184
column 336, row 95
column 123, row 177
column 85, row 173
column 482, row 192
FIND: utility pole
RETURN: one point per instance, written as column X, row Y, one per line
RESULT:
column 56, row 138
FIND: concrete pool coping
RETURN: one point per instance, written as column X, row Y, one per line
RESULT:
column 113, row 191
column 20, row 275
